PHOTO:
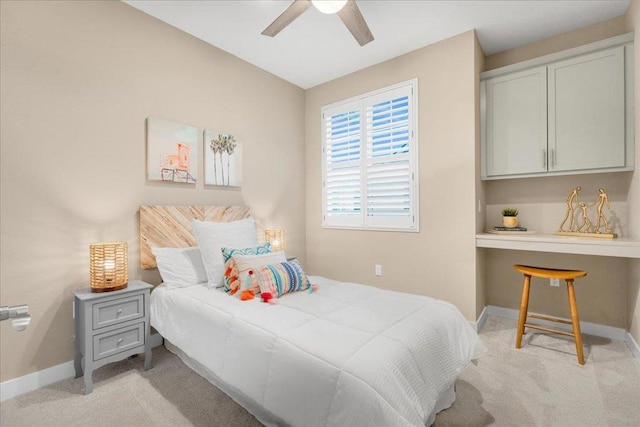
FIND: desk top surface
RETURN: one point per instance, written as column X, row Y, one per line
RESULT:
column 620, row 247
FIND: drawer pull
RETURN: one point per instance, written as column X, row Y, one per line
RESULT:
column 119, row 312
column 119, row 341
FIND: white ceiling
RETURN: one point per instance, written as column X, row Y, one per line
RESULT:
column 317, row 48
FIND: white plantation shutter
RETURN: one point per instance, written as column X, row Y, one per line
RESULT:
column 342, row 159
column 370, row 161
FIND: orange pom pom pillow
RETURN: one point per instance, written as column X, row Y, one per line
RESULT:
column 230, row 270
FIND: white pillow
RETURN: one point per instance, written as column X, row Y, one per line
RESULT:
column 180, row 267
column 244, row 263
column 213, row 236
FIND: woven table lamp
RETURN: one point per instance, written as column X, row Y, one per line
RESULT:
column 276, row 238
column 108, row 266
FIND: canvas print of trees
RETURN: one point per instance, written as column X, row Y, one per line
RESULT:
column 222, row 159
column 172, row 151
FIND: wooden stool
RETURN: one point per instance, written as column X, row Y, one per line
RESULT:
column 549, row 273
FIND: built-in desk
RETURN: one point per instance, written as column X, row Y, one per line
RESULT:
column 620, row 247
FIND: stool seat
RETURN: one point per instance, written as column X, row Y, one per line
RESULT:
column 550, row 273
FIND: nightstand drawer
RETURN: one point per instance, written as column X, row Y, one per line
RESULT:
column 117, row 311
column 113, row 342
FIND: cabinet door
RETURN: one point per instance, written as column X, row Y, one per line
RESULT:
column 517, row 123
column 587, row 112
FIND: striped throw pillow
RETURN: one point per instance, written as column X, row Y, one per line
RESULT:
column 276, row 280
column 247, row 263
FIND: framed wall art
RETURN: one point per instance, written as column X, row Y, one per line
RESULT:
column 222, row 159
column 172, row 151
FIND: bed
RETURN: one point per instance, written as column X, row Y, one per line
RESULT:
column 345, row 355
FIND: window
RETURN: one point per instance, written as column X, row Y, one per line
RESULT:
column 370, row 161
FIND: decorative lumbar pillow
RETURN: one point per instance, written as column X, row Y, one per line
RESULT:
column 230, row 268
column 246, row 263
column 276, row 280
column 180, row 267
column 213, row 236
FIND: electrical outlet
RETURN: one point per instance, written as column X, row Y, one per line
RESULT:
column 378, row 270
column 554, row 282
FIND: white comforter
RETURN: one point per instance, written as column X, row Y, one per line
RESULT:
column 346, row 355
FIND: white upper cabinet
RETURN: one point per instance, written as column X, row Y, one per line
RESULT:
column 517, row 123
column 586, row 112
column 567, row 113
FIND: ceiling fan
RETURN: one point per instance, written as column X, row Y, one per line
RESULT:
column 347, row 10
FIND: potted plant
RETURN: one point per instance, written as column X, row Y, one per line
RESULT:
column 510, row 217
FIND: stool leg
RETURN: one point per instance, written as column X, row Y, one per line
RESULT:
column 524, row 307
column 575, row 320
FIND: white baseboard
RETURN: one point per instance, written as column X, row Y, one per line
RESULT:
column 586, row 327
column 36, row 380
column 17, row 386
column 156, row 340
column 477, row 325
column 610, row 332
column 633, row 346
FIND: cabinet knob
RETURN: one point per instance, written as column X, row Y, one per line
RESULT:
column 119, row 312
column 119, row 341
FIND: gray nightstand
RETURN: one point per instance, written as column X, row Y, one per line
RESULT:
column 111, row 326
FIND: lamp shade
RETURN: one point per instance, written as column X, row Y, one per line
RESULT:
column 276, row 238
column 108, row 266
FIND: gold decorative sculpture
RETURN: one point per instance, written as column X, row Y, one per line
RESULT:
column 586, row 227
column 602, row 199
column 586, row 222
column 571, row 199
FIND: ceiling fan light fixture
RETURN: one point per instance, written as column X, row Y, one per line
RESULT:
column 329, row 6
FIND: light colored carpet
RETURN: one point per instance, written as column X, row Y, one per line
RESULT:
column 538, row 385
column 542, row 384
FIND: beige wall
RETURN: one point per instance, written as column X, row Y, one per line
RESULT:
column 633, row 201
column 440, row 260
column 602, row 295
column 78, row 80
column 581, row 36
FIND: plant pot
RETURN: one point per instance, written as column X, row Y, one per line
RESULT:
column 510, row 221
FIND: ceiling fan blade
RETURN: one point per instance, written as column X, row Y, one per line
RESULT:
column 354, row 21
column 297, row 8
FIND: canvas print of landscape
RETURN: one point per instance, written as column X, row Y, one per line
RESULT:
column 222, row 159
column 172, row 151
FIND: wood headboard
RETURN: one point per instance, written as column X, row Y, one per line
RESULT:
column 170, row 226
